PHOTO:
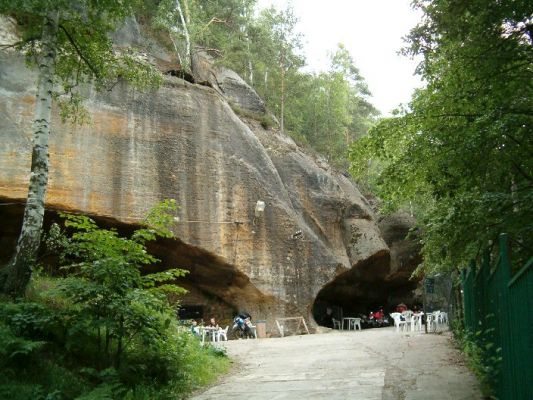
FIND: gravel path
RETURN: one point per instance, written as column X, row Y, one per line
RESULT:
column 369, row 364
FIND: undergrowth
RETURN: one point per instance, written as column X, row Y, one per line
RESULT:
column 479, row 357
column 98, row 328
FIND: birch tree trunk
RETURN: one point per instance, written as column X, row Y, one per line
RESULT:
column 282, row 100
column 250, row 65
column 244, row 30
column 18, row 272
column 188, row 54
column 267, row 97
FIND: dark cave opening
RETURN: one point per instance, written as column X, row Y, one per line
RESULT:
column 215, row 288
column 363, row 289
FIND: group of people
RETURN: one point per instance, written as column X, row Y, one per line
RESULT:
column 242, row 326
column 375, row 319
column 195, row 328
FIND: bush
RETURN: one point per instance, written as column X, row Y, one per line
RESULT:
column 477, row 350
column 105, row 330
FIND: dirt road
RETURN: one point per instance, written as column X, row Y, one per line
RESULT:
column 370, row 364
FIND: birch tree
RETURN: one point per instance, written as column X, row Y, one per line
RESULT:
column 184, row 24
column 217, row 27
column 286, row 42
column 68, row 43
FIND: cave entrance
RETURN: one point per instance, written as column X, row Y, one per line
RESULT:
column 362, row 289
column 215, row 287
column 191, row 312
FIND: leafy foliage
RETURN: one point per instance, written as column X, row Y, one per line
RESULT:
column 84, row 50
column 326, row 111
column 462, row 152
column 476, row 348
column 14, row 347
column 106, row 285
column 108, row 325
column 337, row 111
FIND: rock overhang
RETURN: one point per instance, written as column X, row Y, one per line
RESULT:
column 185, row 142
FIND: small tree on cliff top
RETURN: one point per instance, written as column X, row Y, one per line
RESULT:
column 68, row 42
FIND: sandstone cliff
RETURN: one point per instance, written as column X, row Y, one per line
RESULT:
column 185, row 142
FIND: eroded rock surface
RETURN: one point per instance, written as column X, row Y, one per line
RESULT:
column 185, row 142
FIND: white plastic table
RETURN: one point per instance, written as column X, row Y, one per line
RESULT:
column 209, row 329
column 351, row 322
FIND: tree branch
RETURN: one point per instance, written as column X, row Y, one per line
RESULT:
column 8, row 46
column 522, row 172
column 19, row 43
column 79, row 52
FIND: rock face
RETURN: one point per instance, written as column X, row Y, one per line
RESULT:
column 185, row 142
column 405, row 257
column 228, row 83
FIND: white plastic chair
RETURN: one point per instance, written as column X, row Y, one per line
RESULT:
column 443, row 318
column 222, row 333
column 356, row 323
column 431, row 322
column 398, row 323
column 254, row 330
column 416, row 322
column 336, row 324
column 408, row 317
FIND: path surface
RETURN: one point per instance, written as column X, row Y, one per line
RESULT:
column 369, row 364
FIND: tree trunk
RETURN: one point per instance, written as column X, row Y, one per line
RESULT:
column 119, row 343
column 267, row 97
column 250, row 66
column 18, row 272
column 187, row 38
column 282, row 100
column 249, row 54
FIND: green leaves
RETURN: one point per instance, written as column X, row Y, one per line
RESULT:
column 85, row 53
column 162, row 217
column 330, row 110
column 462, row 151
column 14, row 346
column 105, row 282
column 151, row 280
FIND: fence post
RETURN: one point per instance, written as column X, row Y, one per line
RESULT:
column 506, row 313
column 469, row 297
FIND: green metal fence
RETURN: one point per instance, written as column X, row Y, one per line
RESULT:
column 498, row 310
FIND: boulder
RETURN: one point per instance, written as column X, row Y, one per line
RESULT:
column 228, row 83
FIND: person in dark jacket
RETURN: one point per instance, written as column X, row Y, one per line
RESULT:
column 327, row 321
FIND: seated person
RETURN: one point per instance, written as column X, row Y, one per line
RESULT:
column 401, row 308
column 195, row 329
column 213, row 323
column 243, row 321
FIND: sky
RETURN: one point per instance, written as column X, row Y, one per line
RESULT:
column 371, row 30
